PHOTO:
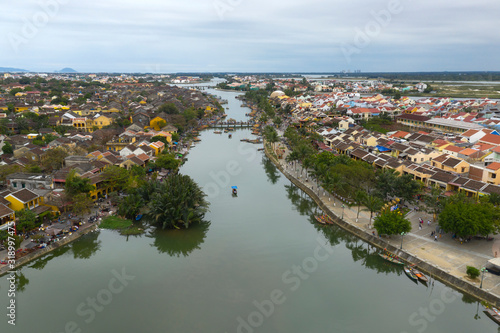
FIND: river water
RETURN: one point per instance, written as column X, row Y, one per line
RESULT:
column 260, row 264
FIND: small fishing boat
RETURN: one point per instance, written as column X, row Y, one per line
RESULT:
column 138, row 217
column 320, row 219
column 494, row 314
column 234, row 191
column 325, row 219
column 217, row 132
column 394, row 260
column 419, row 275
column 410, row 273
column 230, row 136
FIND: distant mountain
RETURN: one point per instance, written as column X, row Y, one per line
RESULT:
column 67, row 70
column 11, row 70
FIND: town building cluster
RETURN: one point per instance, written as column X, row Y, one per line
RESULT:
column 97, row 120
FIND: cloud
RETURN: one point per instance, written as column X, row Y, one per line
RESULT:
column 257, row 35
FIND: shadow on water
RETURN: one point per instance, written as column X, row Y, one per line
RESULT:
column 86, row 246
column 362, row 252
column 40, row 263
column 271, row 171
column 303, row 204
column 179, row 242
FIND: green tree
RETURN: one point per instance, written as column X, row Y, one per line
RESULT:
column 473, row 272
column 27, row 220
column 179, row 203
column 76, row 185
column 168, row 108
column 117, row 178
column 434, row 202
column 81, row 203
column 32, row 168
column 167, row 161
column 466, row 218
column 359, row 199
column 130, row 206
column 392, row 223
column 271, row 135
column 372, row 204
column 7, row 148
column 54, row 159
column 6, row 170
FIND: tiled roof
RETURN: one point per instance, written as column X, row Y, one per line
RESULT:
column 24, row 195
column 442, row 176
column 494, row 166
column 451, row 162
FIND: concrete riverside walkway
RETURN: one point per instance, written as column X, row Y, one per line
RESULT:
column 445, row 253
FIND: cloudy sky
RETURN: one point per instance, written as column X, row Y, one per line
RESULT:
column 161, row 36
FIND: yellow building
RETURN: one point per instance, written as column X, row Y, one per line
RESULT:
column 120, row 143
column 158, row 146
column 24, row 199
column 101, row 188
column 102, row 121
column 6, row 215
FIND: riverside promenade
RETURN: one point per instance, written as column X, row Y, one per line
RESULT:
column 444, row 259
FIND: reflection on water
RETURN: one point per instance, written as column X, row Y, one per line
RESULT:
column 271, row 171
column 176, row 242
column 87, row 246
column 361, row 252
column 41, row 262
column 302, row 202
column 21, row 282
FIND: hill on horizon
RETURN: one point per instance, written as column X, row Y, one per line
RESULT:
column 12, row 70
column 67, row 70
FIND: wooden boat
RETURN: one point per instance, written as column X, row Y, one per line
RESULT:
column 394, row 260
column 494, row 314
column 419, row 275
column 217, row 132
column 410, row 273
column 319, row 220
column 323, row 219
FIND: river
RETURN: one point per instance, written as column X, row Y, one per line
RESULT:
column 260, row 265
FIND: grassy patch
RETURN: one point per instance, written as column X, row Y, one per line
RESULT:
column 133, row 230
column 115, row 223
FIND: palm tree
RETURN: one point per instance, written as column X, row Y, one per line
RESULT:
column 179, row 202
column 359, row 198
column 372, row 204
column 303, row 151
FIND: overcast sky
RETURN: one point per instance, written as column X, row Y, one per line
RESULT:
column 162, row 36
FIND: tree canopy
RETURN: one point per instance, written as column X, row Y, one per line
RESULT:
column 465, row 217
column 392, row 223
column 178, row 203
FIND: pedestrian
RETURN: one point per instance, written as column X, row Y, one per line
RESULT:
column 435, row 238
column 428, row 222
column 420, row 227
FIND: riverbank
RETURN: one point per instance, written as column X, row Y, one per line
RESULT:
column 41, row 252
column 437, row 265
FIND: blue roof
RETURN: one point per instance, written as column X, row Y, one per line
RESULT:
column 381, row 148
